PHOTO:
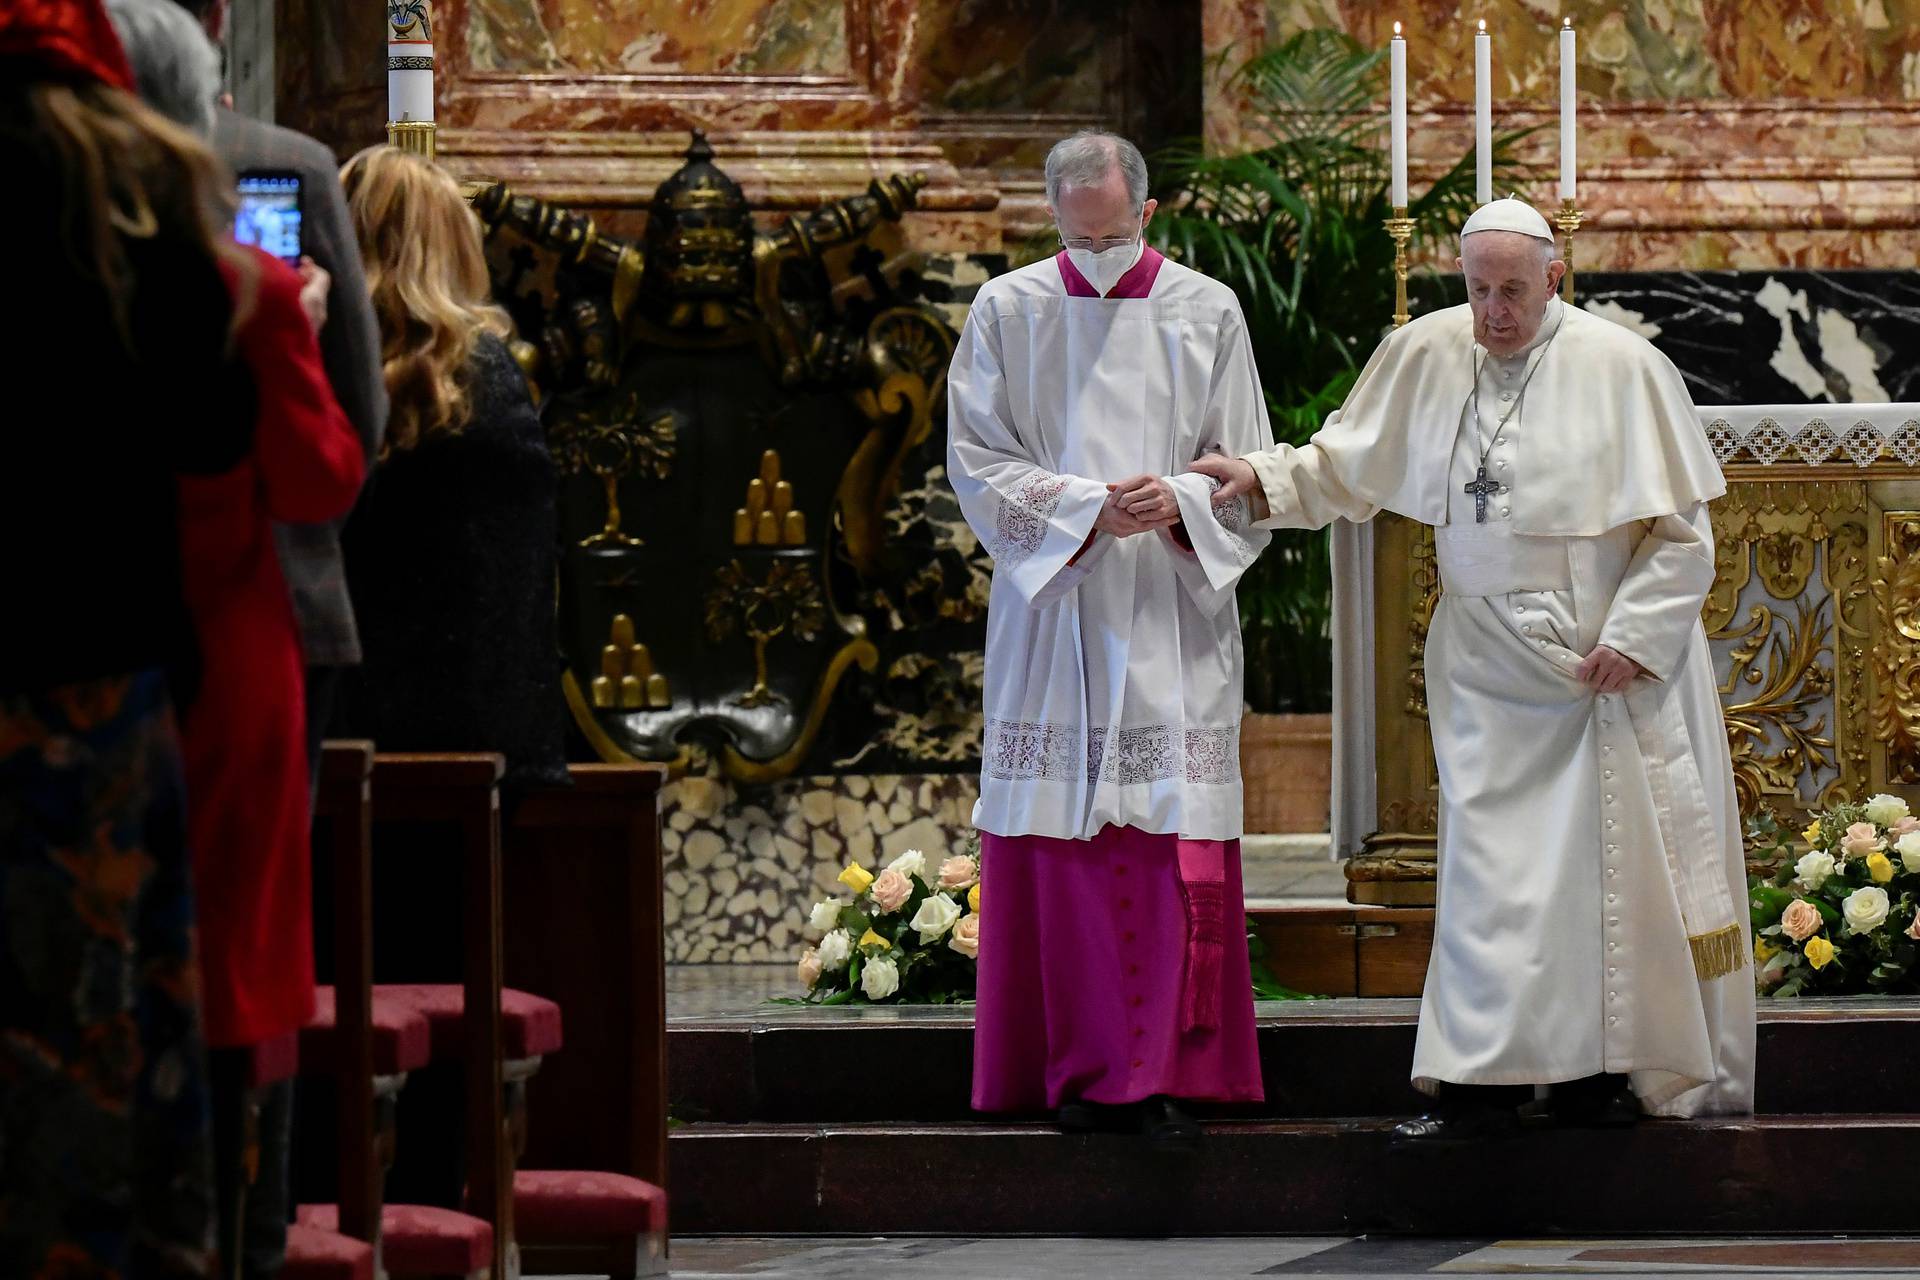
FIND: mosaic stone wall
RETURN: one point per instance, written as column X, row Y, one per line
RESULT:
column 743, row 864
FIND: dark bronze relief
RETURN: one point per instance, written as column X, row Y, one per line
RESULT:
column 730, row 423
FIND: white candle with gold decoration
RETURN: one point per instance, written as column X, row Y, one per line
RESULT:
column 1568, row 95
column 1399, row 114
column 409, row 62
column 1482, row 115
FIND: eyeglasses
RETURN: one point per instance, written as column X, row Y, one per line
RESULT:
column 1097, row 246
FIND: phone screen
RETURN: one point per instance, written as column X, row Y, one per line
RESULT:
column 269, row 214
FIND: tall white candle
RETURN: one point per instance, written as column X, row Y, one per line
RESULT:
column 409, row 61
column 1482, row 115
column 1399, row 142
column 1567, row 104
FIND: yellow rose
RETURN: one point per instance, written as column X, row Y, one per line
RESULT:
column 1812, row 834
column 1879, row 868
column 973, row 899
column 1764, row 951
column 856, row 877
column 1819, row 952
column 872, row 939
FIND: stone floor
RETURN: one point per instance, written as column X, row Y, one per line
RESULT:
column 961, row 1259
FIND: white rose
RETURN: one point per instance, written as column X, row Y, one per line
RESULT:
column 1814, row 869
column 1886, row 810
column 826, row 914
column 911, row 864
column 935, row 916
column 880, row 978
column 835, row 950
column 1908, row 847
column 1866, row 909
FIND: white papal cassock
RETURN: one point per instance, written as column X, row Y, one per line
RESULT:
column 1113, row 667
column 1590, row 864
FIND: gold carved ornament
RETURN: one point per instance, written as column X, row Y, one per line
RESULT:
column 610, row 442
column 1793, row 675
column 1896, row 656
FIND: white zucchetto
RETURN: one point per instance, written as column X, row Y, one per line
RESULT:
column 1511, row 214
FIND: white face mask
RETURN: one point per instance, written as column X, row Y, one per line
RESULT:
column 1104, row 269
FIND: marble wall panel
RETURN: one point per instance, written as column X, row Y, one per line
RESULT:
column 660, row 37
column 1713, row 134
column 743, row 865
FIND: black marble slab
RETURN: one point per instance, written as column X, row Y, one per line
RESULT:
column 1762, row 337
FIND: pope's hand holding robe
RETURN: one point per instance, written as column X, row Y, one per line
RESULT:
column 1590, row 869
column 1112, row 966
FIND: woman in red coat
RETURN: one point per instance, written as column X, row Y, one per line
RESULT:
column 248, row 808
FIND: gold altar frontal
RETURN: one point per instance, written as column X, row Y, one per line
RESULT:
column 1813, row 623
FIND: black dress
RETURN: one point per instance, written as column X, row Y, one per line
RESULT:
column 451, row 561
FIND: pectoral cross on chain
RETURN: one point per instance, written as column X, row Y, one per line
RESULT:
column 1479, row 487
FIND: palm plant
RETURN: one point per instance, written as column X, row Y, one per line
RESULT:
column 1295, row 226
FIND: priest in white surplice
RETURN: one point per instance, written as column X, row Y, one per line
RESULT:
column 1591, row 883
column 1113, row 975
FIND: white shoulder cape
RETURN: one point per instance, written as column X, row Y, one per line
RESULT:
column 1608, row 434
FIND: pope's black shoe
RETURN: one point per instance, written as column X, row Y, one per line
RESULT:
column 1467, row 1113
column 1456, row 1127
column 1596, row 1102
column 1167, row 1126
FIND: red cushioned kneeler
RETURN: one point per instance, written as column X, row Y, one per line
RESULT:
column 314, row 1254
column 420, row 1240
column 529, row 1024
column 558, row 1207
column 402, row 1040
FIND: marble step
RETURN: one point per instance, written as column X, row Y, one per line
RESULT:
column 1318, row 1059
column 1777, row 1174
column 1291, row 867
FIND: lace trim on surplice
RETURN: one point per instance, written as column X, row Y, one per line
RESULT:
column 1024, row 514
column 1041, row 751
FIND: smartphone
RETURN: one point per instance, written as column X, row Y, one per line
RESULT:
column 270, row 213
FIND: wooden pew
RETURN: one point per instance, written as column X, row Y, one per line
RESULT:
column 464, row 790
column 584, row 927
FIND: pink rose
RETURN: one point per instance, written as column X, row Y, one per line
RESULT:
column 1800, row 921
column 810, row 969
column 1862, row 838
column 1905, row 827
column 1913, row 930
column 892, row 890
column 959, row 873
column 966, row 937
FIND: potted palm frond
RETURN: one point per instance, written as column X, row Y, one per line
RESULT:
column 1295, row 225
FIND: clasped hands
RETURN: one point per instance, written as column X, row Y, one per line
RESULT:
column 1138, row 505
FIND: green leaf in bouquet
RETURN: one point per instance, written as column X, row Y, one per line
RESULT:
column 1767, row 904
column 1888, row 973
column 1829, row 912
column 854, row 920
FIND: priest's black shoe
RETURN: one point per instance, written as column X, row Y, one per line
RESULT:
column 1167, row 1126
column 1081, row 1116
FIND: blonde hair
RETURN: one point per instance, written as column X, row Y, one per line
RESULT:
column 126, row 172
column 428, row 276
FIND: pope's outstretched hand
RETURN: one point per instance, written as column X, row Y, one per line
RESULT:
column 1235, row 475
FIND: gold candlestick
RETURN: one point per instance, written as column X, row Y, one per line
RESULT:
column 416, row 136
column 1568, row 219
column 1400, row 227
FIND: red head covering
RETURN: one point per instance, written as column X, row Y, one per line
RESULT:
column 67, row 37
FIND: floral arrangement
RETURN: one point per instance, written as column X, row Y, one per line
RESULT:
column 908, row 935
column 1841, row 914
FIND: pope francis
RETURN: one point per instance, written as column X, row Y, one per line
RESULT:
column 1588, row 932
